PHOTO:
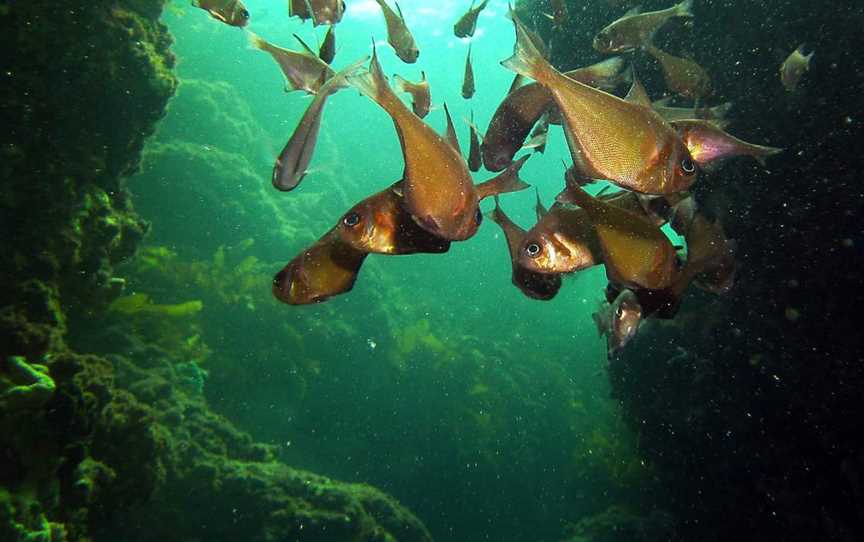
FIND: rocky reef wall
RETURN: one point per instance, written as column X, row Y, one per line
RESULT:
column 117, row 442
column 746, row 404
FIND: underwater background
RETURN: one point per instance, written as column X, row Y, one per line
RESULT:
column 152, row 388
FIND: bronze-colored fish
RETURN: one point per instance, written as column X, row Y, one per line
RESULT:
column 474, row 159
column 293, row 161
column 468, row 78
column 634, row 30
column 303, row 70
column 636, row 253
column 708, row 142
column 716, row 114
column 683, row 76
column 320, row 11
column 327, row 268
column 379, row 224
column 398, row 35
column 523, row 107
column 421, row 97
column 327, row 51
column 437, row 185
column 794, row 67
column 541, row 286
column 467, row 23
column 609, row 138
column 230, row 12
column 562, row 241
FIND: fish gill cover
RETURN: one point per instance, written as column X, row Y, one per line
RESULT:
column 154, row 387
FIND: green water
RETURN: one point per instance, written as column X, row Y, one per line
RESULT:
column 484, row 412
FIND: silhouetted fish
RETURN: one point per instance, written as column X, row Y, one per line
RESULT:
column 634, row 29
column 468, row 78
column 398, row 35
column 467, row 23
column 294, row 159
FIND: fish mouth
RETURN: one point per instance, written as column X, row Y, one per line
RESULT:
column 280, row 280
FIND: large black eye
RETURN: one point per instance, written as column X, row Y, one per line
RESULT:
column 244, row 13
column 619, row 312
column 279, row 278
column 479, row 216
column 687, row 166
column 532, row 250
column 351, row 219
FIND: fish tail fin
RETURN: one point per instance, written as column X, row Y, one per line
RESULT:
column 684, row 9
column 341, row 79
column 373, row 83
column 399, row 83
column 526, row 59
column 719, row 112
column 762, row 152
column 257, row 41
column 506, row 181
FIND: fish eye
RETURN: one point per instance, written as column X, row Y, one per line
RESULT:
column 619, row 312
column 479, row 216
column 532, row 250
column 351, row 219
column 244, row 13
column 687, row 166
column 279, row 278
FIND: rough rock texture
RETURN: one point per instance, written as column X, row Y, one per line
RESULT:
column 93, row 446
column 749, row 406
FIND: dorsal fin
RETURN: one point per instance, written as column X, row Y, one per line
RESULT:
column 305, row 46
column 399, row 10
column 450, row 133
column 636, row 94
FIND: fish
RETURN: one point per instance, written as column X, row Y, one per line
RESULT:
column 421, row 97
column 474, row 158
column 468, row 78
column 559, row 15
column 683, row 76
column 398, row 35
column 320, row 11
column 636, row 253
column 450, row 131
column 619, row 321
column 230, row 12
column 467, row 23
column 622, row 141
column 327, row 51
column 633, row 30
column 716, row 114
column 292, row 163
column 562, row 241
column 302, row 70
column 437, row 186
column 523, row 107
column 794, row 67
column 707, row 143
column 542, row 286
column 379, row 224
column 327, row 268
